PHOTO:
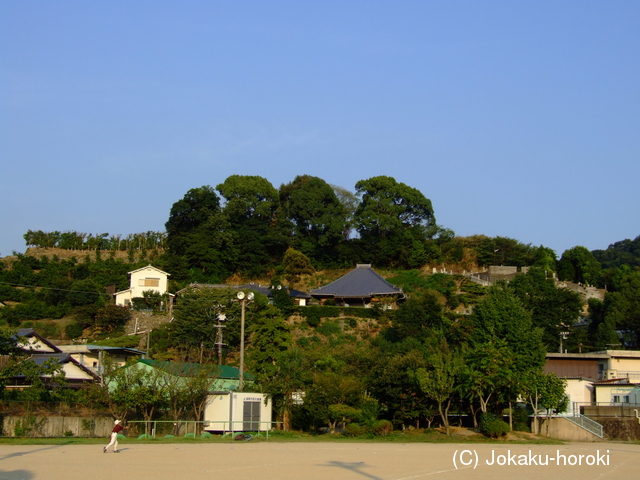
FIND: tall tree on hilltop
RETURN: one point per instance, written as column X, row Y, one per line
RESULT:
column 193, row 237
column 349, row 201
column 393, row 221
column 189, row 213
column 252, row 209
column 317, row 216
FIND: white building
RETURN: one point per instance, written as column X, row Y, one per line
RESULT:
column 237, row 412
column 141, row 280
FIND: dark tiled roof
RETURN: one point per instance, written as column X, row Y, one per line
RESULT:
column 361, row 282
column 60, row 358
column 40, row 358
column 30, row 332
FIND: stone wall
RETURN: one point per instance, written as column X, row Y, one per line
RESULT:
column 143, row 321
column 56, row 426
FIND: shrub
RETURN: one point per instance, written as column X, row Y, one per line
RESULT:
column 73, row 330
column 112, row 317
column 382, row 428
column 47, row 329
column 492, row 426
column 329, row 327
column 355, row 430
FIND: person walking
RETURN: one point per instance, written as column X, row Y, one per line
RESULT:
column 114, row 437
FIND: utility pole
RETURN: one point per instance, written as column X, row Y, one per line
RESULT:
column 243, row 301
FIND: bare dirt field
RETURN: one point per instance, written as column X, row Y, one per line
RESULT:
column 310, row 461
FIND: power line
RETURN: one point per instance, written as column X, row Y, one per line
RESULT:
column 51, row 288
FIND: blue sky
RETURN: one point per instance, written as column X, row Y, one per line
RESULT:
column 519, row 119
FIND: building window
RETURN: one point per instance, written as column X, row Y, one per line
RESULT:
column 149, row 282
column 616, row 399
column 626, row 399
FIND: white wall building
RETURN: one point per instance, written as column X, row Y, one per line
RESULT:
column 141, row 280
column 237, row 412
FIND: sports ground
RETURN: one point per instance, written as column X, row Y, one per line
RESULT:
column 310, row 461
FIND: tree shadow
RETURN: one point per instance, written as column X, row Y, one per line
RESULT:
column 19, row 454
column 16, row 475
column 353, row 467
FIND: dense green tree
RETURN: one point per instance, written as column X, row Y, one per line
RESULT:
column 193, row 333
column 552, row 309
column 288, row 379
column 442, row 380
column 270, row 337
column 349, row 201
column 187, row 214
column 622, row 304
column 318, row 218
column 196, row 229
column 501, row 315
column 296, row 263
column 489, row 372
column 328, row 396
column 624, row 252
column 544, row 392
column 393, row 220
column 419, row 317
column 579, row 265
column 252, row 208
column 504, row 346
column 391, row 379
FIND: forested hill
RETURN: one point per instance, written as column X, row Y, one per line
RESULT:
column 625, row 252
column 245, row 230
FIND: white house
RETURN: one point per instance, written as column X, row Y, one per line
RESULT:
column 141, row 280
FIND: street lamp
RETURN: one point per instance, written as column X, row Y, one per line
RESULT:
column 563, row 336
column 243, row 301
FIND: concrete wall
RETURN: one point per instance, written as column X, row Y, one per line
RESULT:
column 36, row 426
column 563, row 429
column 502, row 270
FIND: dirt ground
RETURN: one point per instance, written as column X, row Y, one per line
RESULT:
column 310, row 461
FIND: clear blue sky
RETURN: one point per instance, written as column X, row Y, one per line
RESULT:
column 519, row 119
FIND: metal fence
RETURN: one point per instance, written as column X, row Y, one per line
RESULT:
column 192, row 428
column 586, row 423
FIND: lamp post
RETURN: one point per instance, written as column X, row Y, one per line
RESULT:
column 563, row 336
column 243, row 301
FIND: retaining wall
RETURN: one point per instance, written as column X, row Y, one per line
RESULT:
column 39, row 426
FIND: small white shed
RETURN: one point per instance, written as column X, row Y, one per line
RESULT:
column 237, row 412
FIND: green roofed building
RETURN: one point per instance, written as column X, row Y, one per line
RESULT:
column 224, row 378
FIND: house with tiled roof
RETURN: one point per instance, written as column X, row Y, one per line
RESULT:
column 31, row 341
column 361, row 287
column 41, row 351
column 93, row 356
